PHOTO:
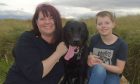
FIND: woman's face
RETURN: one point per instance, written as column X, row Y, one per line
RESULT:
column 45, row 24
column 104, row 25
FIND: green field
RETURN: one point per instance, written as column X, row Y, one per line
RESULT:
column 127, row 27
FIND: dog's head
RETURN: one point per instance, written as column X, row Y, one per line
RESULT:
column 75, row 37
column 75, row 33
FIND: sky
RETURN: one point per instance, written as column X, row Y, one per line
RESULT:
column 71, row 8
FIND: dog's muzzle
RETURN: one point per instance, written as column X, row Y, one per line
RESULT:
column 76, row 42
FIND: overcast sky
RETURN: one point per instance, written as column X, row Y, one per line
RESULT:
column 75, row 8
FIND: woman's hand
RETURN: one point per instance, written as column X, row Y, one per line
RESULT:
column 61, row 49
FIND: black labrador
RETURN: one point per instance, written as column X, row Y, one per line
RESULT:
column 75, row 61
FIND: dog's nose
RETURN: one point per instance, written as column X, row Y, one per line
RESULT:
column 76, row 42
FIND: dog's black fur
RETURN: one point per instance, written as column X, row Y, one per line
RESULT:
column 76, row 34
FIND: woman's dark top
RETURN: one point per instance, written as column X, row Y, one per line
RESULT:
column 29, row 52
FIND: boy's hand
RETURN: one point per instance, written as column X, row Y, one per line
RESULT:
column 93, row 60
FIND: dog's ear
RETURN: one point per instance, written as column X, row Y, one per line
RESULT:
column 68, row 22
column 65, row 38
column 84, row 24
column 86, row 30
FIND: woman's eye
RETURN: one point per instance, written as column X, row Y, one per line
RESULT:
column 40, row 18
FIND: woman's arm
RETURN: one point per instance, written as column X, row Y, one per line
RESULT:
column 49, row 63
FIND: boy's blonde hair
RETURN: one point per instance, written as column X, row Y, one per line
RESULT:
column 106, row 13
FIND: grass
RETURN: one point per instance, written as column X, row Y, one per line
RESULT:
column 127, row 28
column 4, row 67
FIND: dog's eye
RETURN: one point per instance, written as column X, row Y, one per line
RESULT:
column 69, row 30
column 79, row 29
column 72, row 29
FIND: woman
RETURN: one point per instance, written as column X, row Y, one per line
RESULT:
column 38, row 52
column 108, row 52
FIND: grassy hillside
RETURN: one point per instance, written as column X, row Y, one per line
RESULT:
column 127, row 27
column 10, row 30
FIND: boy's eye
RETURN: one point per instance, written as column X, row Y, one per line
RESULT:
column 99, row 23
column 106, row 22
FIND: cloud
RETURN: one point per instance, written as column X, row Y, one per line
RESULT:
column 88, row 8
column 80, row 8
column 3, row 4
column 75, row 12
column 98, row 3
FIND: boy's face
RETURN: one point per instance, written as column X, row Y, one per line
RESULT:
column 104, row 25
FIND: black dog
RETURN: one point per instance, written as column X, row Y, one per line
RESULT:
column 75, row 36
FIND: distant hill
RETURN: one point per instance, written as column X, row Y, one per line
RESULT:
column 17, row 14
